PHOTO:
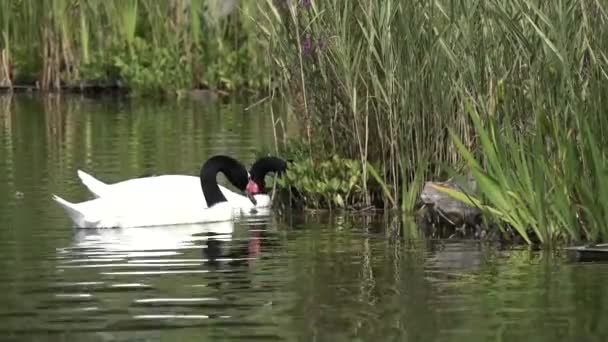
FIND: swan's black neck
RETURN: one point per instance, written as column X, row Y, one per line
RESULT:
column 230, row 167
column 263, row 166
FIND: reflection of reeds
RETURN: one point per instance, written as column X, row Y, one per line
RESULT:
column 6, row 115
column 50, row 137
column 7, row 129
column 54, row 119
column 63, row 128
column 6, row 103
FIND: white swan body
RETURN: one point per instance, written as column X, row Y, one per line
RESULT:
column 120, row 212
column 151, row 206
column 180, row 188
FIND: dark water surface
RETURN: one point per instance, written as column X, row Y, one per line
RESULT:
column 277, row 278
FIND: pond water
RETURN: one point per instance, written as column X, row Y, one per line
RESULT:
column 308, row 277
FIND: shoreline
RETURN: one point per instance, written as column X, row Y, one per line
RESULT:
column 110, row 88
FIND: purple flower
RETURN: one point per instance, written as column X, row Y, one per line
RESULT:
column 306, row 3
column 307, row 46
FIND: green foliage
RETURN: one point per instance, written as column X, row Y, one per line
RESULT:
column 514, row 89
column 553, row 189
column 330, row 183
column 149, row 70
column 149, row 46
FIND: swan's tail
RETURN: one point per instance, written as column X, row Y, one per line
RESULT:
column 97, row 187
column 71, row 210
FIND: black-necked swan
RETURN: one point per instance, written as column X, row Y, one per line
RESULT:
column 184, row 185
column 149, row 207
column 257, row 176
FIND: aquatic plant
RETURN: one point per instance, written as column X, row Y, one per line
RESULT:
column 323, row 182
column 550, row 186
column 396, row 82
column 333, row 183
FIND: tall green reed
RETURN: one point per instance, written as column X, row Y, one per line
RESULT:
column 393, row 84
column 548, row 180
column 5, row 79
column 150, row 46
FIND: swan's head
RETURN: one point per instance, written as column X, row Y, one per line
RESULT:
column 259, row 170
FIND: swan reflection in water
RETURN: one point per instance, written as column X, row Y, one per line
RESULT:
column 149, row 241
column 170, row 243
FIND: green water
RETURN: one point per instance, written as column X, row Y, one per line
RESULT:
column 306, row 277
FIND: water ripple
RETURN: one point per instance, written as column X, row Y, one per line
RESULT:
column 192, row 273
column 318, row 276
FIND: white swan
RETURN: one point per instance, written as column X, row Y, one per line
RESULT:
column 188, row 186
column 148, row 208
